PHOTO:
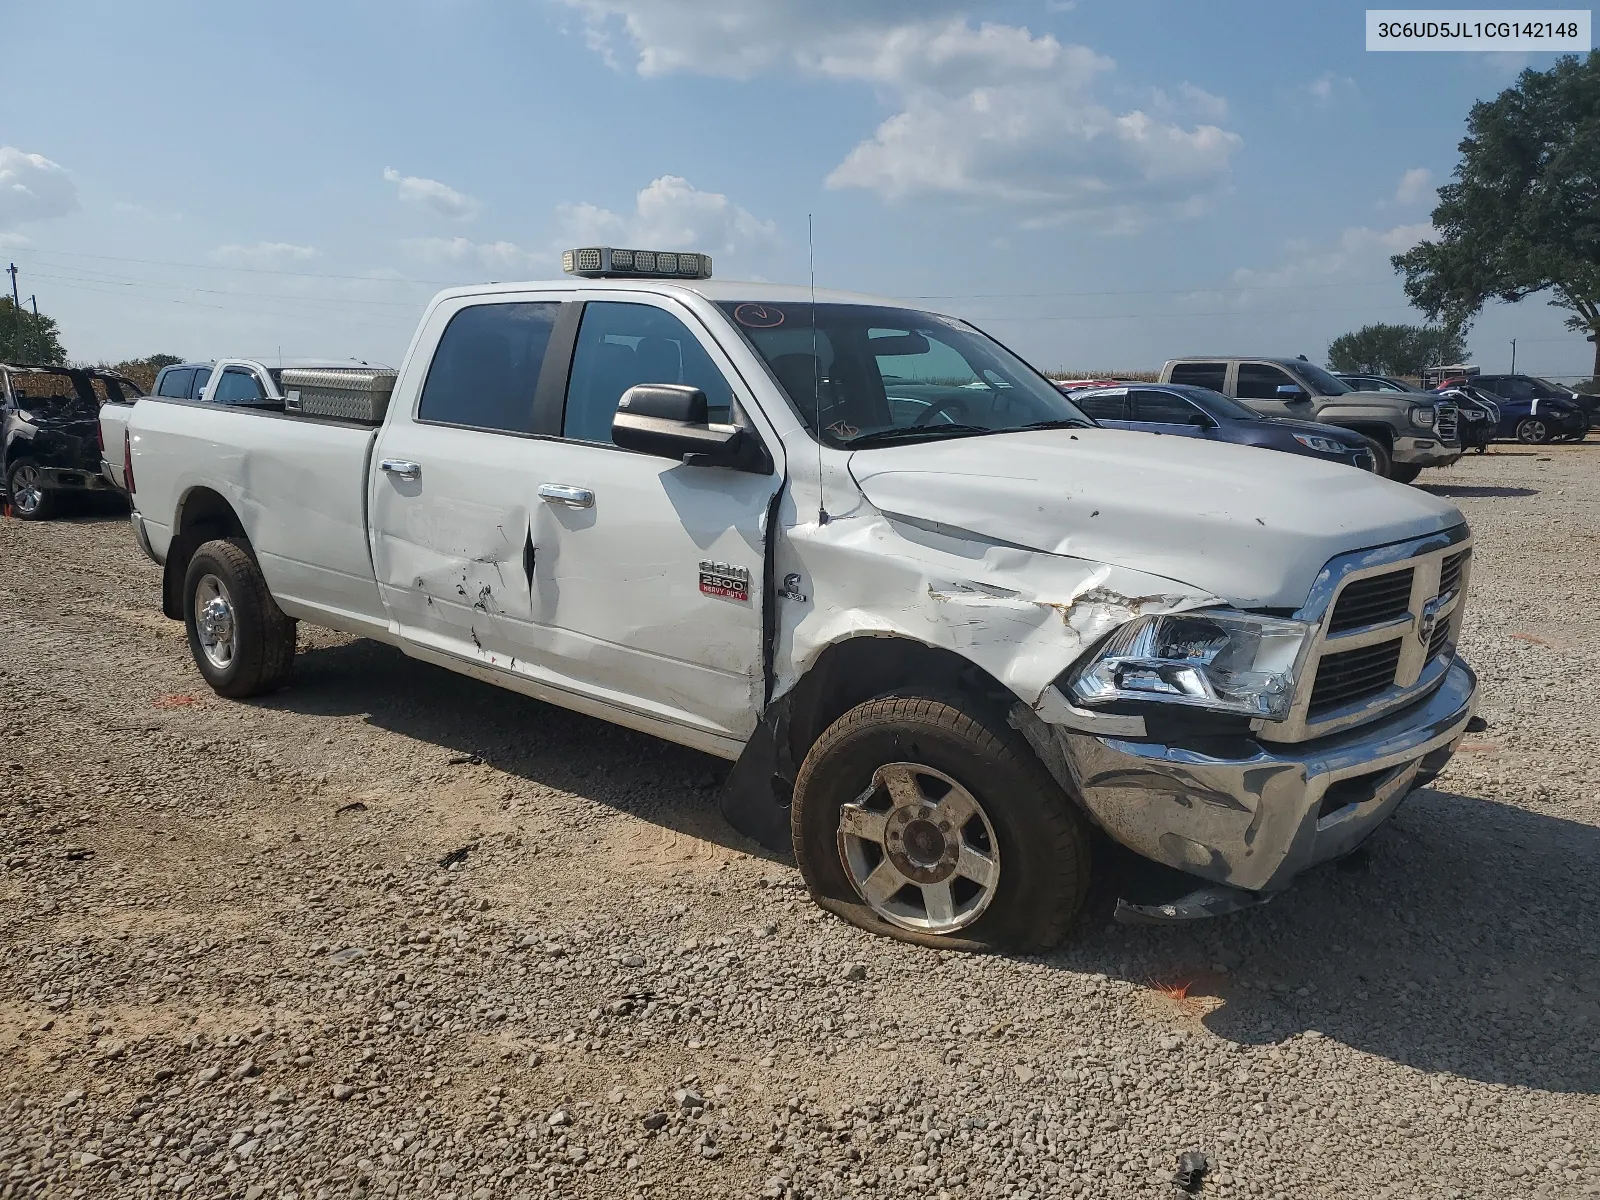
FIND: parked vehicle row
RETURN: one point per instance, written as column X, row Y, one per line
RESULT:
column 1404, row 435
column 1520, row 407
column 941, row 621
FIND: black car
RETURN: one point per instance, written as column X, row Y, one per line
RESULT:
column 1189, row 411
column 50, row 433
column 1479, row 416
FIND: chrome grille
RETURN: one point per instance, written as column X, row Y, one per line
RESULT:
column 1446, row 422
column 1439, row 640
column 1385, row 622
column 1369, row 601
column 1450, row 572
column 1354, row 675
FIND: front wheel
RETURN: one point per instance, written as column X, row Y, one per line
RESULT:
column 241, row 640
column 30, row 499
column 1382, row 461
column 926, row 817
column 1404, row 472
column 1532, row 431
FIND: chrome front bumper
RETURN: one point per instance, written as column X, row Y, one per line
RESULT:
column 1255, row 822
column 1426, row 451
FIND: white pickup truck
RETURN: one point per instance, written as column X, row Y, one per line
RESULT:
column 941, row 621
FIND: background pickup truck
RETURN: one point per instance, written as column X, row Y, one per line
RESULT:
column 1406, row 435
column 940, row 621
column 236, row 381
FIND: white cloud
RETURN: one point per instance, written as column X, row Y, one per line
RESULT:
column 32, row 188
column 1360, row 253
column 1327, row 87
column 430, row 193
column 263, row 255
column 987, row 111
column 493, row 256
column 1416, row 184
column 670, row 213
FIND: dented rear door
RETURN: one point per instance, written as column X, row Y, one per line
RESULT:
column 451, row 484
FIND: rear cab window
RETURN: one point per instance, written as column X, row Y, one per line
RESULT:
column 239, row 385
column 175, row 382
column 485, row 371
column 1213, row 375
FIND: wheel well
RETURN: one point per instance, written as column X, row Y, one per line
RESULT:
column 1378, row 433
column 202, row 516
column 851, row 672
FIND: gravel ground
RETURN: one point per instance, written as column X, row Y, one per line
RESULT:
column 395, row 933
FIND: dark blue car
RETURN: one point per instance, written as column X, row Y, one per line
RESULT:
column 1188, row 411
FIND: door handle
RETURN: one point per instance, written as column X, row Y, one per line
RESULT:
column 561, row 493
column 401, row 469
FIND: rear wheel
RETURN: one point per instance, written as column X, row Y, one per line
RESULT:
column 926, row 817
column 241, row 640
column 30, row 499
column 1533, row 431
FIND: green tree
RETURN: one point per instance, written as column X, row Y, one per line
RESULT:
column 1397, row 349
column 25, row 338
column 1523, row 213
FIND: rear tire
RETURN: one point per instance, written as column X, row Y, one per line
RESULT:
column 1404, row 472
column 1009, row 876
column 30, row 499
column 241, row 640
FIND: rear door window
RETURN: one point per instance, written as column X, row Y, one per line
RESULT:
column 1103, row 406
column 175, row 382
column 486, row 369
column 1212, row 375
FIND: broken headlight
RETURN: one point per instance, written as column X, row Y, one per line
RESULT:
column 1225, row 661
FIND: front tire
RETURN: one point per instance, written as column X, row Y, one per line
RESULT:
column 1382, row 461
column 30, row 499
column 1533, row 431
column 1404, row 472
column 927, row 818
column 241, row 640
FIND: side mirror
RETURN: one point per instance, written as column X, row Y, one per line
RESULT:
column 1291, row 391
column 668, row 420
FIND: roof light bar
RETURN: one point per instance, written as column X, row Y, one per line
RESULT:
column 602, row 262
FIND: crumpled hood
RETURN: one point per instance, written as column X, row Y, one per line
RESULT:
column 1252, row 526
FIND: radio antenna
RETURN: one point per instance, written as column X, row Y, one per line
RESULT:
column 816, row 374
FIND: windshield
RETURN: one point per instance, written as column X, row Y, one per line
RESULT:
column 1322, row 383
column 1551, row 389
column 867, row 374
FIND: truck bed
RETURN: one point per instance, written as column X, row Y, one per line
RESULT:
column 298, row 484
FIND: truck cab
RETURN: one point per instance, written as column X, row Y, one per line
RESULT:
column 1406, row 434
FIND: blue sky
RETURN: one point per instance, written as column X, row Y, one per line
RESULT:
column 1102, row 185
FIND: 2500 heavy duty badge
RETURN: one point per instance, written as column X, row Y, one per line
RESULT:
column 726, row 580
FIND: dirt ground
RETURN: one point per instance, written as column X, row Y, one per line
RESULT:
column 392, row 932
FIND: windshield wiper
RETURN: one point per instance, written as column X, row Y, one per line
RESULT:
column 1059, row 423
column 915, row 433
